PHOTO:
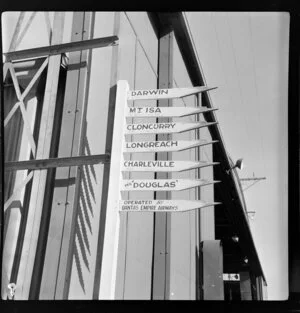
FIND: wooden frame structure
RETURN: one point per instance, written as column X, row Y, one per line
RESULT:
column 56, row 162
column 41, row 150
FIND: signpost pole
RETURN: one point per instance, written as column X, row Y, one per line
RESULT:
column 112, row 222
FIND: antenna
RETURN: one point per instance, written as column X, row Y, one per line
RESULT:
column 253, row 179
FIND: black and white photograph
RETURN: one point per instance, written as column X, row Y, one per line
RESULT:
column 146, row 156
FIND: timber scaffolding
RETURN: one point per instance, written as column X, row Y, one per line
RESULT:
column 41, row 152
column 168, row 26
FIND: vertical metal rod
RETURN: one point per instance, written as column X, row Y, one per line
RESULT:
column 197, row 213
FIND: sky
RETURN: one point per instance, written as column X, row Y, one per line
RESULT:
column 246, row 56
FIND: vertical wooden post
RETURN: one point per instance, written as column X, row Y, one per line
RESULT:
column 66, row 257
column 57, row 263
column 162, row 221
column 39, row 179
column 112, row 221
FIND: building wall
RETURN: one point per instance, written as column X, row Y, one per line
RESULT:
column 183, row 225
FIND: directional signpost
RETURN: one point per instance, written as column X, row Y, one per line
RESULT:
column 118, row 165
column 163, row 146
column 165, row 111
column 152, row 94
column 163, row 128
column 162, row 166
column 162, row 205
column 163, row 184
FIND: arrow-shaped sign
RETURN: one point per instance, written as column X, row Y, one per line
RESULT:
column 163, row 184
column 163, row 146
column 165, row 111
column 162, row 205
column 162, row 166
column 164, row 128
column 152, row 94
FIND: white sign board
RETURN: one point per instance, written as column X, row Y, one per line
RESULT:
column 163, row 146
column 164, row 111
column 162, row 205
column 162, row 166
column 153, row 94
column 163, row 128
column 231, row 276
column 163, row 184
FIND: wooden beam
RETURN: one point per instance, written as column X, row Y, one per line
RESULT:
column 48, row 25
column 31, row 234
column 56, row 162
column 16, row 86
column 58, row 260
column 79, row 144
column 61, row 48
column 23, row 110
column 25, row 29
column 17, row 190
column 17, row 30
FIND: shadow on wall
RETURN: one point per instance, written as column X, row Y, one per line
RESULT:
column 83, row 227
